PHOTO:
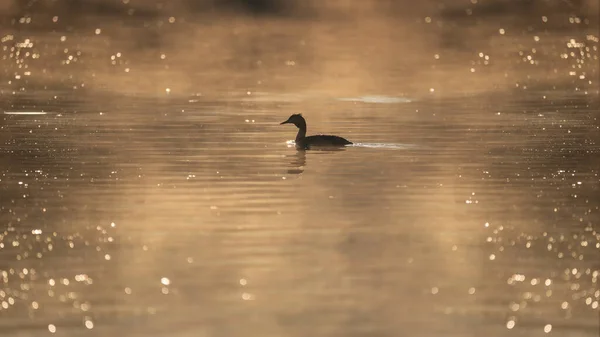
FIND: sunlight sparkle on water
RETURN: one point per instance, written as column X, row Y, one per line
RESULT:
column 103, row 164
column 25, row 113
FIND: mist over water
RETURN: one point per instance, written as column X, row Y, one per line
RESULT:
column 147, row 188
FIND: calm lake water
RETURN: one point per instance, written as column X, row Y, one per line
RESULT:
column 147, row 188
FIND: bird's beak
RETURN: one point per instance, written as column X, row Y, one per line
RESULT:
column 286, row 122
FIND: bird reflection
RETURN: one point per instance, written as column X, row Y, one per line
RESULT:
column 297, row 161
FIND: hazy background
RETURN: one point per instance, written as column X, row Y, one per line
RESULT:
column 146, row 187
column 188, row 45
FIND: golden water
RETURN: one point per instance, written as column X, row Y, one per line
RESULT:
column 147, row 189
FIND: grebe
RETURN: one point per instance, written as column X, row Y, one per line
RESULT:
column 303, row 142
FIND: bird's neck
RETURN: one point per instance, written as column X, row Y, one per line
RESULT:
column 301, row 134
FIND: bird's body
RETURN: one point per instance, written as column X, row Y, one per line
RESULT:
column 304, row 142
column 322, row 140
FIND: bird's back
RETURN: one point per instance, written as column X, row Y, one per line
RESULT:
column 325, row 140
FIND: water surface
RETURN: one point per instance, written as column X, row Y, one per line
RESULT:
column 165, row 199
